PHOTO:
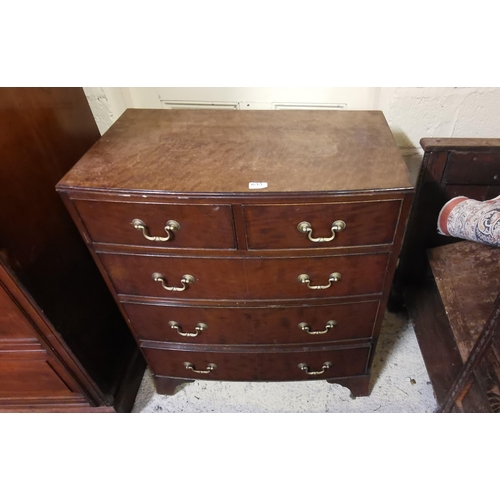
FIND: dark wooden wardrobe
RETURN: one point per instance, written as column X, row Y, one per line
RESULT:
column 64, row 346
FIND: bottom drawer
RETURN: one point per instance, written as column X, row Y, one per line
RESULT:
column 267, row 365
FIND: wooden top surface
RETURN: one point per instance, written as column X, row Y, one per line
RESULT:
column 459, row 144
column 222, row 151
column 467, row 275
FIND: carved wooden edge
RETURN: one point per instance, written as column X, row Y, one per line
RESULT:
column 169, row 386
column 40, row 408
column 491, row 327
column 459, row 144
column 359, row 386
column 73, row 374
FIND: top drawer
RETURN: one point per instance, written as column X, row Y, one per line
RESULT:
column 276, row 226
column 473, row 169
column 144, row 224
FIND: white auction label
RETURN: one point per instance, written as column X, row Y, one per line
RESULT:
column 257, row 185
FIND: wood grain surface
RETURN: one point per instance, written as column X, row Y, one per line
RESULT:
column 451, row 266
column 220, row 151
column 233, row 279
column 266, row 365
column 242, row 245
column 244, row 325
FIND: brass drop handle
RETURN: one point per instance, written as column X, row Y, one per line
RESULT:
column 172, row 225
column 210, row 367
column 305, row 227
column 305, row 367
column 329, row 325
column 187, row 279
column 198, row 329
column 304, row 278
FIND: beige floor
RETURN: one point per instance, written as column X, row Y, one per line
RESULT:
column 400, row 385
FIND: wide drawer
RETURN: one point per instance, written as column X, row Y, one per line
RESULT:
column 263, row 366
column 253, row 325
column 277, row 226
column 266, row 278
column 198, row 226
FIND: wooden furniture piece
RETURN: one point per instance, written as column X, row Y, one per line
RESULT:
column 221, row 281
column 63, row 343
column 449, row 286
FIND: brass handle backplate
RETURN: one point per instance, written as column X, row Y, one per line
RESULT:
column 305, row 367
column 329, row 325
column 210, row 367
column 198, row 329
column 172, row 225
column 305, row 227
column 304, row 278
column 186, row 280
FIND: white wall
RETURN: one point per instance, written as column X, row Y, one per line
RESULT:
column 412, row 112
column 109, row 103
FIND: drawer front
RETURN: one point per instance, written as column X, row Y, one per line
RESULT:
column 29, row 378
column 259, row 366
column 270, row 278
column 276, row 226
column 282, row 325
column 279, row 278
column 14, row 325
column 473, row 169
column 199, row 226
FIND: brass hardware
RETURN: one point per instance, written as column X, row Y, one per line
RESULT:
column 329, row 325
column 305, row 367
column 304, row 278
column 199, row 328
column 210, row 367
column 187, row 279
column 305, row 227
column 171, row 225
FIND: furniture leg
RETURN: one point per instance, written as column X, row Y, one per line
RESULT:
column 168, row 386
column 359, row 386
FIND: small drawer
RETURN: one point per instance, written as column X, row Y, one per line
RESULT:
column 318, row 277
column 158, row 225
column 231, row 279
column 473, row 169
column 256, row 325
column 29, row 377
column 14, row 325
column 264, row 365
column 279, row 226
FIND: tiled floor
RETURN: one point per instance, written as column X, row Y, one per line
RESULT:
column 399, row 378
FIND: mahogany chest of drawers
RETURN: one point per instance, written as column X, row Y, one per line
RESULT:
column 246, row 245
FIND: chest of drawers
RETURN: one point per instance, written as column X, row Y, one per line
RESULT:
column 222, row 281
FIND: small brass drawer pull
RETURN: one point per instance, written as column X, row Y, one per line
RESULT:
column 199, row 328
column 329, row 325
column 305, row 227
column 171, row 225
column 210, row 367
column 304, row 278
column 187, row 279
column 305, row 367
